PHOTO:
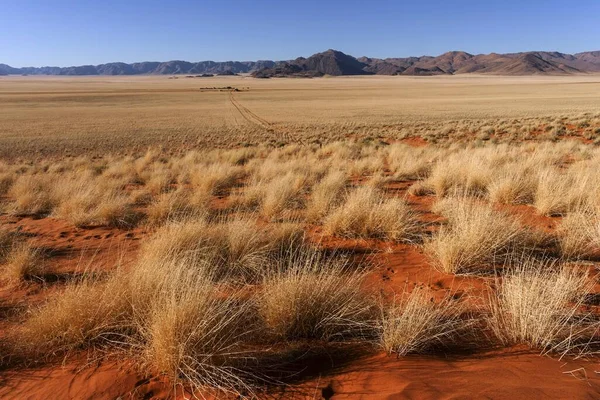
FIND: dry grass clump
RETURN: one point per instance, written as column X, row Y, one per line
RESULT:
column 159, row 180
column 115, row 211
column 216, row 178
column 237, row 248
column 307, row 296
column 169, row 313
column 23, row 262
column 579, row 234
column 408, row 163
column 366, row 213
column 277, row 195
column 88, row 312
column 179, row 205
column 415, row 323
column 420, row 189
column 538, row 304
column 475, row 237
column 513, row 185
column 190, row 331
column 19, row 260
column 466, row 172
column 558, row 193
column 283, row 193
column 82, row 199
column 32, row 195
column 174, row 240
column 326, row 194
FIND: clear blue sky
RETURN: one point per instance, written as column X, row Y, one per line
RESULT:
column 64, row 33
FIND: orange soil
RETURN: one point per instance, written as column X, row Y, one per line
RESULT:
column 499, row 374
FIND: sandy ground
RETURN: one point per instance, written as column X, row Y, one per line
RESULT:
column 512, row 373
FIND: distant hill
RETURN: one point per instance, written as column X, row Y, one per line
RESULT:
column 330, row 62
column 336, row 63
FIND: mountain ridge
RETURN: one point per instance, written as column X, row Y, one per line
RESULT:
column 337, row 63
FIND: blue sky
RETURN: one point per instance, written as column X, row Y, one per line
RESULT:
column 64, row 33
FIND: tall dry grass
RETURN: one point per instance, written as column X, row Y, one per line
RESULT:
column 326, row 194
column 367, row 213
column 539, row 303
column 307, row 296
column 189, row 331
column 579, row 234
column 22, row 262
column 235, row 248
column 476, row 237
column 414, row 323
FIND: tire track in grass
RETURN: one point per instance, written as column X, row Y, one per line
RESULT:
column 257, row 120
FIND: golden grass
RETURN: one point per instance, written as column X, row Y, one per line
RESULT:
column 476, row 237
column 23, row 262
column 98, row 115
column 366, row 213
column 87, row 312
column 414, row 323
column 179, row 205
column 32, row 195
column 235, row 248
column 539, row 303
column 191, row 332
column 307, row 296
column 579, row 234
column 326, row 194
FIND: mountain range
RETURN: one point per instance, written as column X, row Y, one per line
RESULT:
column 332, row 62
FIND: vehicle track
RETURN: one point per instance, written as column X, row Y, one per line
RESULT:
column 257, row 120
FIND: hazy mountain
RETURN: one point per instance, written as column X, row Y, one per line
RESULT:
column 147, row 67
column 332, row 62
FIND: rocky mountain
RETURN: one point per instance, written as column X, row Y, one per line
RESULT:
column 333, row 62
column 330, row 62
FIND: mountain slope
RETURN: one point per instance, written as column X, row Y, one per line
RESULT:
column 330, row 62
column 333, row 62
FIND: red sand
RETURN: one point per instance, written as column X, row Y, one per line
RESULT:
column 500, row 374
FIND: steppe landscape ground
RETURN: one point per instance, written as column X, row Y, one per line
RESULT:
column 336, row 238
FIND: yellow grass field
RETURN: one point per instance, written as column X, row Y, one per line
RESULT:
column 299, row 236
column 94, row 115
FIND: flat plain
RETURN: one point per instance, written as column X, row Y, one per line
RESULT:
column 335, row 238
column 82, row 115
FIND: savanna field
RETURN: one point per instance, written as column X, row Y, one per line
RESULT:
column 335, row 238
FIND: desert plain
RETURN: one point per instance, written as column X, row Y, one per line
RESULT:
column 367, row 237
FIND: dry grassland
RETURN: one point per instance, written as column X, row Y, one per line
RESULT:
column 242, row 261
column 95, row 115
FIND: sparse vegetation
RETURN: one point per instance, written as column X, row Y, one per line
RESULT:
column 216, row 267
